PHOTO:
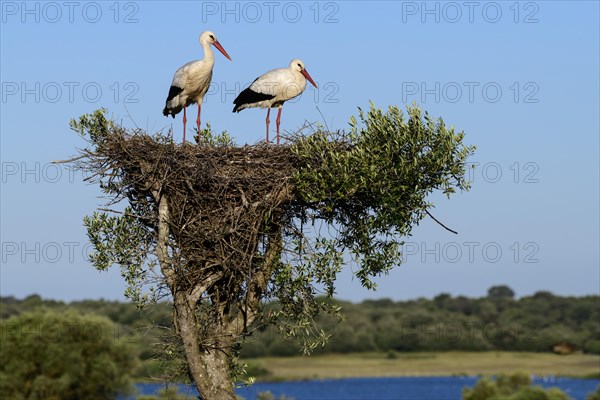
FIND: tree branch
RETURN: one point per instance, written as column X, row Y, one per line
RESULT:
column 162, row 241
column 198, row 290
column 444, row 226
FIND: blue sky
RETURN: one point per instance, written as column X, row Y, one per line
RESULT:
column 520, row 78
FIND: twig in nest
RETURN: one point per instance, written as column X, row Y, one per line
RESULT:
column 70, row 160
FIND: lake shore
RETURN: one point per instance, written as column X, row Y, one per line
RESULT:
column 451, row 363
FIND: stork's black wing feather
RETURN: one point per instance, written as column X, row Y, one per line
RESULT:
column 248, row 96
column 174, row 91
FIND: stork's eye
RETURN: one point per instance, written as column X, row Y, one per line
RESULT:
column 212, row 37
column 300, row 66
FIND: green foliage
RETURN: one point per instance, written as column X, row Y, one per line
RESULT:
column 270, row 396
column 444, row 323
column 537, row 393
column 500, row 292
column 594, row 395
column 516, row 386
column 50, row 355
column 372, row 184
column 484, row 389
column 369, row 188
column 123, row 240
column 207, row 137
column 453, row 323
column 297, row 305
column 94, row 127
column 512, row 383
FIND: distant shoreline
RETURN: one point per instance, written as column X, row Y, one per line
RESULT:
column 421, row 364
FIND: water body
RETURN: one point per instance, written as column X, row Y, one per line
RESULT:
column 404, row 388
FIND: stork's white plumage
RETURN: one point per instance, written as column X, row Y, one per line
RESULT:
column 273, row 89
column 192, row 80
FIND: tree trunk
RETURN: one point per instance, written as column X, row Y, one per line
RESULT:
column 209, row 363
column 209, row 367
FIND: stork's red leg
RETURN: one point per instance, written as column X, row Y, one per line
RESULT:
column 267, row 121
column 277, row 122
column 184, row 121
column 198, row 122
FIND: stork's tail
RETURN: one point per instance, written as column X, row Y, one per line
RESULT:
column 172, row 111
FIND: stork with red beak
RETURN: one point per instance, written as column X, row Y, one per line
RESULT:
column 273, row 89
column 192, row 80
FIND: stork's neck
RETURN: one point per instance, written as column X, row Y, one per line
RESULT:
column 299, row 78
column 208, row 54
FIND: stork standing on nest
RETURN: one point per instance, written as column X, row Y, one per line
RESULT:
column 273, row 89
column 191, row 81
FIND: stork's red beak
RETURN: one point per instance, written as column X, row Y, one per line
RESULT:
column 221, row 49
column 307, row 76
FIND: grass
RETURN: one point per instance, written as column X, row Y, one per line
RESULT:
column 425, row 364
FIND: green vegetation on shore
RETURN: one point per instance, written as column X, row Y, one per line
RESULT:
column 443, row 336
column 515, row 386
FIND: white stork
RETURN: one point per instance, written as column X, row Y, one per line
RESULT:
column 191, row 81
column 273, row 89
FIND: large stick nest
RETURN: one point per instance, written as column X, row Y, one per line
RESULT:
column 222, row 200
